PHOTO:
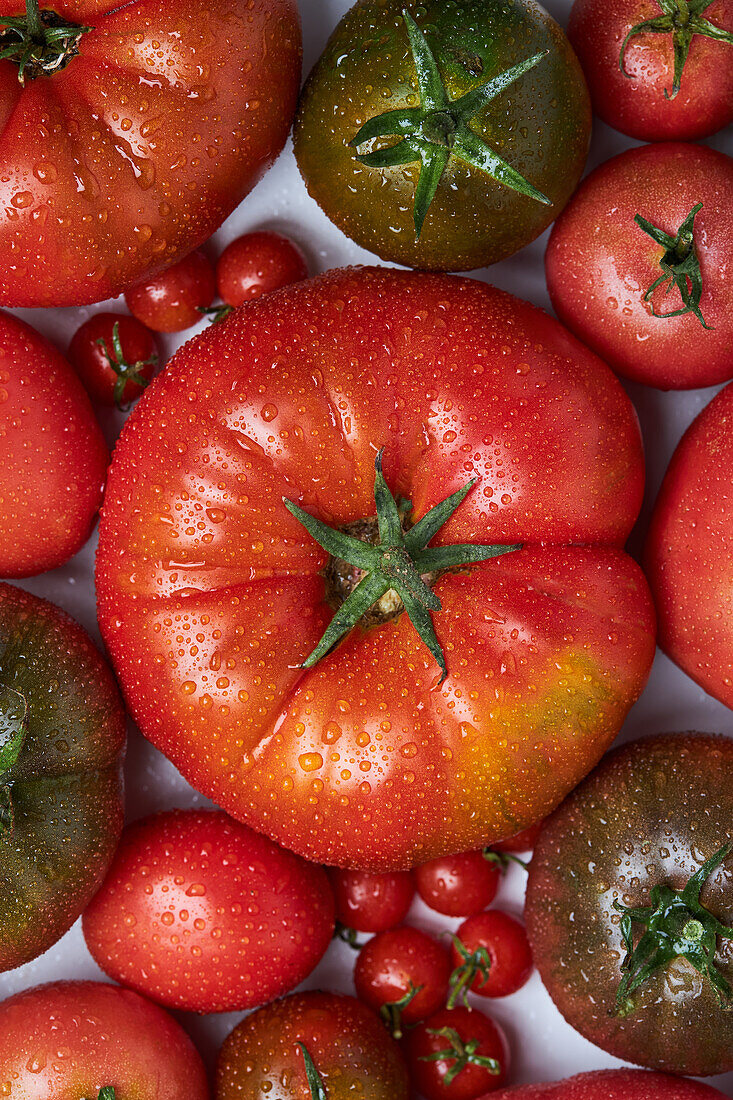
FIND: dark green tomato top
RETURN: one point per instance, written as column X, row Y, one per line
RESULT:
column 539, row 124
column 61, row 799
column 631, row 836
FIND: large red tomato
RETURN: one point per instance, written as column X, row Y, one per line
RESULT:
column 212, row 594
column 689, row 553
column 127, row 147
column 614, row 1084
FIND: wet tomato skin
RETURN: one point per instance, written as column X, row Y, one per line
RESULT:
column 108, row 1036
column 689, row 551
column 123, row 161
column 257, row 263
column 636, row 104
column 506, row 943
column 458, row 885
column 523, row 841
column 397, row 961
column 614, row 1084
column 473, row 1081
column 92, row 360
column 52, row 454
column 202, row 914
column 201, row 567
column 371, row 902
column 172, row 301
column 600, row 263
column 349, row 1046
column 651, row 813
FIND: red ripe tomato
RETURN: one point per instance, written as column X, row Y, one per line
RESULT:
column 115, row 357
column 491, row 956
column 458, row 885
column 689, row 552
column 350, row 1053
column 256, row 264
column 174, row 300
column 200, row 913
column 402, row 974
column 632, row 52
column 458, row 1054
column 371, row 902
column 213, row 597
column 129, row 143
column 614, row 1084
column 636, row 264
column 52, row 454
column 70, row 1040
column 520, row 842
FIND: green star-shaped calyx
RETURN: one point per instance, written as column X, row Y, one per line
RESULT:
column 439, row 128
column 680, row 265
column 459, row 1053
column 683, row 19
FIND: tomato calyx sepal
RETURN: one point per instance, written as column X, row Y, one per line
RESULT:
column 676, row 925
column 474, row 963
column 38, row 45
column 347, row 935
column 439, row 128
column 391, row 1011
column 315, row 1081
column 503, row 859
column 397, row 562
column 215, row 313
column 680, row 266
column 126, row 372
column 13, row 730
column 683, row 19
column 460, row 1053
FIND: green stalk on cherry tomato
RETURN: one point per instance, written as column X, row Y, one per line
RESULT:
column 461, row 1053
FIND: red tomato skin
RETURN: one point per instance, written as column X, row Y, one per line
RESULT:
column 232, row 920
column 175, row 130
column 171, row 301
column 392, row 961
column 52, row 454
column 520, row 842
column 636, row 104
column 458, row 885
column 109, row 1036
column 689, row 551
column 599, row 263
column 371, row 902
column 614, row 1084
column 473, row 1081
column 508, row 947
column 580, row 479
column 257, row 263
column 92, row 365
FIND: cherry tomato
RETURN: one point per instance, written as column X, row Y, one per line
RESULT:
column 458, row 885
column 403, row 974
column 203, row 914
column 347, row 1050
column 115, row 356
column 371, row 902
column 173, row 301
column 256, row 264
column 457, row 1054
column 653, row 70
column 491, row 956
column 73, row 1040
column 520, row 842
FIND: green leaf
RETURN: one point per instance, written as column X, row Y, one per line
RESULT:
column 388, row 516
column 432, row 93
column 472, row 102
column 680, row 266
column 13, row 726
column 338, row 543
column 423, row 623
column 403, row 152
column 471, row 148
column 315, row 1081
column 434, row 161
column 452, row 557
column 425, row 529
column 392, row 123
column 369, row 589
column 107, row 1093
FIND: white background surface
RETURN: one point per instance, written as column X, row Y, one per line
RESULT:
column 543, row 1046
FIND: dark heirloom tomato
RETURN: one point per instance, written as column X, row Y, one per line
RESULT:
column 128, row 154
column 630, row 903
column 74, row 1040
column 212, row 595
column 637, row 264
column 483, row 102
column 62, row 732
column 613, row 1084
column 689, row 552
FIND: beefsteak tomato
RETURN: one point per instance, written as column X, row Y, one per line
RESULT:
column 689, row 551
column 136, row 130
column 212, row 595
column 62, row 732
column 613, row 1084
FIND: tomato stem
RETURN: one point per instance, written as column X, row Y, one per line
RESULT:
column 40, row 43
column 680, row 266
column 460, row 1053
column 391, row 1012
column 474, row 963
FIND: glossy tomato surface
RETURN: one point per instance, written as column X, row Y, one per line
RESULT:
column 452, row 1031
column 69, row 1040
column 539, row 124
column 200, row 913
column 257, row 263
column 403, row 963
column 458, row 885
column 62, row 796
column 52, row 454
column 371, row 902
column 262, row 1059
column 613, row 1084
column 212, row 594
column 689, row 551
column 636, row 104
column 502, row 941
column 172, row 301
column 600, row 264
column 650, row 815
column 134, row 152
